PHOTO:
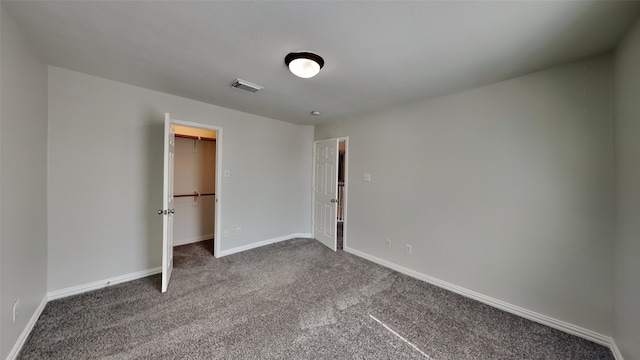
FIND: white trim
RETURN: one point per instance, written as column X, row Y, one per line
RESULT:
column 262, row 243
column 79, row 289
column 345, row 200
column 13, row 354
column 191, row 240
column 614, row 349
column 513, row 309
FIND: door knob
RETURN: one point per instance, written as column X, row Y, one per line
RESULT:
column 172, row 211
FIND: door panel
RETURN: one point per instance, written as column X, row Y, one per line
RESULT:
column 167, row 202
column 325, row 190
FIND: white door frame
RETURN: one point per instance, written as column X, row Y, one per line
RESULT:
column 218, row 190
column 346, row 188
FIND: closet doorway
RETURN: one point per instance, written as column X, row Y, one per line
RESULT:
column 340, row 211
column 194, row 186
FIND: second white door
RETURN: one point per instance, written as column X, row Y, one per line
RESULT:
column 326, row 192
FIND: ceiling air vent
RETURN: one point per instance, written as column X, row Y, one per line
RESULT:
column 245, row 86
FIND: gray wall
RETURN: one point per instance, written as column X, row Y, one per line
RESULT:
column 105, row 176
column 23, row 183
column 505, row 190
column 627, row 139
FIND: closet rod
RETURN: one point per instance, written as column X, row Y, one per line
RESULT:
column 195, row 137
column 195, row 194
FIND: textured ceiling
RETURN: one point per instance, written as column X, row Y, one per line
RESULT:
column 377, row 54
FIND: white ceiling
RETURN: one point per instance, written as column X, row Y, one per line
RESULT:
column 377, row 54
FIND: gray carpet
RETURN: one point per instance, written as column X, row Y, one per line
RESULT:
column 292, row 300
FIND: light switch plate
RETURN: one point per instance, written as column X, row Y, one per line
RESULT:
column 366, row 177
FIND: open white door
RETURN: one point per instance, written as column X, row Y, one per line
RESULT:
column 167, row 202
column 326, row 192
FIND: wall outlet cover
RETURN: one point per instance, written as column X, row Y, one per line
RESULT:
column 408, row 249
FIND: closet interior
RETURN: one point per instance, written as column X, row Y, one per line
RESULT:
column 194, row 186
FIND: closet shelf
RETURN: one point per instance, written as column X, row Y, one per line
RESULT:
column 195, row 194
column 184, row 136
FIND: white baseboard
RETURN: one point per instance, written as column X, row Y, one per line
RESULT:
column 614, row 349
column 79, row 289
column 27, row 330
column 191, row 240
column 516, row 310
column 262, row 243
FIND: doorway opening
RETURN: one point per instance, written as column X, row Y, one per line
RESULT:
column 194, row 192
column 342, row 148
column 194, row 134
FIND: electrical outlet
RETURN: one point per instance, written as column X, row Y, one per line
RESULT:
column 408, row 249
column 225, row 233
column 16, row 306
column 387, row 243
column 238, row 231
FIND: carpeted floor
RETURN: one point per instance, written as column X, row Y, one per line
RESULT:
column 291, row 300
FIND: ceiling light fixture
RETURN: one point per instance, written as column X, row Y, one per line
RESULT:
column 315, row 113
column 304, row 64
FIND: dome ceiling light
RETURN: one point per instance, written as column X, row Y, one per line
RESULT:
column 304, row 64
